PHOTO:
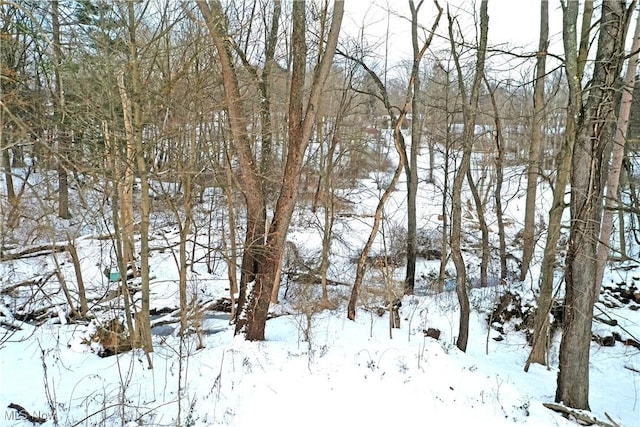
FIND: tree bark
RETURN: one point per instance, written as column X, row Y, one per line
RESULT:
column 411, row 167
column 301, row 121
column 592, row 136
column 484, row 229
column 250, row 183
column 617, row 157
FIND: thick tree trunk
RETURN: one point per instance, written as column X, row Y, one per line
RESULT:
column 613, row 176
column 528, row 245
column 300, row 128
column 250, row 183
column 593, row 135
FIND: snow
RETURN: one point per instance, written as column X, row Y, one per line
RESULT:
column 348, row 373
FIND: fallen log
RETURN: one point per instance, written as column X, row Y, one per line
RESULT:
column 581, row 416
column 33, row 251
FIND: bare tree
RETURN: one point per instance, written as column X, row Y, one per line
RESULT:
column 617, row 157
column 528, row 244
column 499, row 165
column 263, row 251
column 574, row 67
column 411, row 168
column 63, row 185
column 470, row 109
column 401, row 149
column 593, row 134
column 250, row 184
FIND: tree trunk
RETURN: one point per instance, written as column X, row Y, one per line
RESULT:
column 499, row 162
column 593, row 135
column 63, row 185
column 300, row 127
column 484, row 229
column 260, row 262
column 470, row 108
column 613, row 176
column 401, row 149
column 250, row 183
column 82, row 295
column 539, row 347
column 144, row 319
column 411, row 168
column 328, row 197
column 264, row 85
column 528, row 245
column 6, row 166
column 377, row 218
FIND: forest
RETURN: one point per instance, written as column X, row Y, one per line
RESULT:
column 320, row 212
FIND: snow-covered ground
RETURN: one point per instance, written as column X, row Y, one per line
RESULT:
column 347, row 373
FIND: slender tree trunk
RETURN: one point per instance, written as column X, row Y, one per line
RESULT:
column 63, row 185
column 587, row 183
column 444, row 244
column 528, row 245
column 135, row 139
column 470, row 107
column 185, row 226
column 484, row 229
column 411, row 169
column 6, row 166
column 126, row 189
column 401, row 149
column 499, row 162
column 328, row 199
column 264, row 85
column 114, row 162
column 377, row 219
column 231, row 255
column 82, row 295
column 328, row 204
